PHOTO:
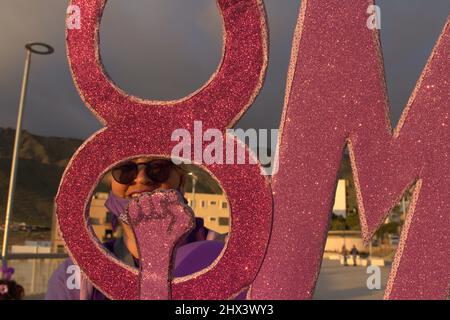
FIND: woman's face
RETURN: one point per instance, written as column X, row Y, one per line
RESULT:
column 142, row 183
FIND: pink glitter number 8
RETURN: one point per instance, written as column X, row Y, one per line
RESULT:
column 133, row 128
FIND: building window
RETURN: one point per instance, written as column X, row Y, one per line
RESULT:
column 60, row 249
column 213, row 203
column 108, row 217
column 95, row 221
column 203, row 204
column 224, row 221
column 224, row 205
column 212, row 219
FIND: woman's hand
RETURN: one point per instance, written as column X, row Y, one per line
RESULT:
column 159, row 220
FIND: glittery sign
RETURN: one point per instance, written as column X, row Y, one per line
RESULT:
column 159, row 220
column 336, row 95
column 136, row 127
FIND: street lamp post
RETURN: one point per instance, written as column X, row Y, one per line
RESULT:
column 41, row 49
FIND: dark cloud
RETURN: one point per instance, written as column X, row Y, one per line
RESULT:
column 165, row 49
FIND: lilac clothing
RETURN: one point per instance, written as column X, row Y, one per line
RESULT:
column 118, row 207
column 189, row 258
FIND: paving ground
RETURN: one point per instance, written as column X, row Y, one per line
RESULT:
column 339, row 282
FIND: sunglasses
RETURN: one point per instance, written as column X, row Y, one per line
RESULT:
column 156, row 170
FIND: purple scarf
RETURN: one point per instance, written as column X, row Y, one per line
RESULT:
column 118, row 207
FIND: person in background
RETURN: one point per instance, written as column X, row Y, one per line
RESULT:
column 354, row 252
column 344, row 254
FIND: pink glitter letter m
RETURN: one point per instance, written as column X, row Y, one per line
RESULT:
column 336, row 95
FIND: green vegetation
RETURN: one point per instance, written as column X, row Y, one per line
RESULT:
column 351, row 222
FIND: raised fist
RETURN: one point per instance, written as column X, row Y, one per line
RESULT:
column 160, row 219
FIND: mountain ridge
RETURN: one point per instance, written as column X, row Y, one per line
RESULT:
column 42, row 161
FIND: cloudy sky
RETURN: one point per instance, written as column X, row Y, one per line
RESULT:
column 166, row 49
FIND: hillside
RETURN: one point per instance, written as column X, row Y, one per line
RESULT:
column 41, row 163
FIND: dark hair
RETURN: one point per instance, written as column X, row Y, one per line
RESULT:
column 13, row 290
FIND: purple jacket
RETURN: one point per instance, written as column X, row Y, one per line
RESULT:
column 189, row 259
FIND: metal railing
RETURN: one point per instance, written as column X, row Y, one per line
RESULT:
column 32, row 271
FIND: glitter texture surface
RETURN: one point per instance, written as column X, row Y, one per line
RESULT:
column 136, row 127
column 159, row 220
column 336, row 94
